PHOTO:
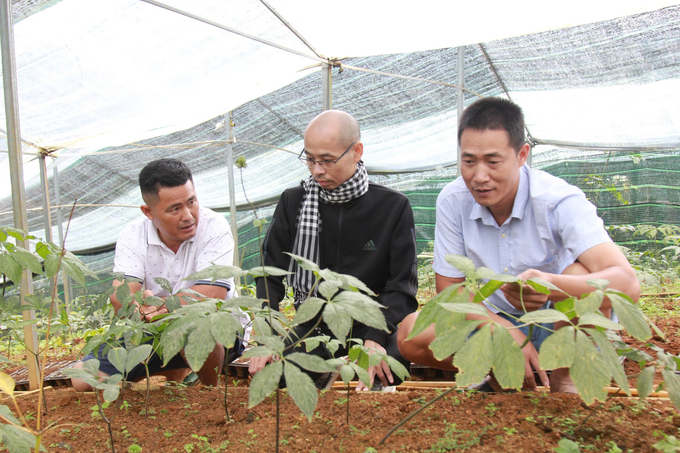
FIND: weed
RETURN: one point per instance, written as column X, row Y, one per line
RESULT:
column 510, row 431
column 134, row 448
column 456, row 439
column 491, row 409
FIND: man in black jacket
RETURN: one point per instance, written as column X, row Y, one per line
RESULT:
column 342, row 222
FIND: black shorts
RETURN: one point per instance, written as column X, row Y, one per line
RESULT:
column 155, row 362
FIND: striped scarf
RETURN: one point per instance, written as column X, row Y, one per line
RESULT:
column 309, row 224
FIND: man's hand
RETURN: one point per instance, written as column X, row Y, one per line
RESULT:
column 533, row 300
column 382, row 370
column 147, row 312
column 530, row 362
column 257, row 363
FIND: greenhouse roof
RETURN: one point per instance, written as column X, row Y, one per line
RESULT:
column 105, row 87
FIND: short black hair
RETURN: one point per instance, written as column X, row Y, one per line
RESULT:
column 495, row 114
column 163, row 173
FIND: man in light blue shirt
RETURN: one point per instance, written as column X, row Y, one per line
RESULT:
column 507, row 217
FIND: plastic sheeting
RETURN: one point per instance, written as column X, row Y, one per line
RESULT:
column 117, row 84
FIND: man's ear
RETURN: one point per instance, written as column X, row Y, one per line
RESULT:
column 147, row 211
column 523, row 154
column 358, row 151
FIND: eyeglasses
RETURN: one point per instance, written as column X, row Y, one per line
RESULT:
column 327, row 164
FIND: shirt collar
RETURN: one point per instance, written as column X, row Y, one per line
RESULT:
column 482, row 212
column 154, row 239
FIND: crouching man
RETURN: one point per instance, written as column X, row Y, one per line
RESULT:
column 176, row 239
column 339, row 220
column 507, row 217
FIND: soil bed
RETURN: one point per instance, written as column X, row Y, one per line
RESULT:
column 193, row 419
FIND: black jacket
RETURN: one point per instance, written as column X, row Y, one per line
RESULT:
column 371, row 237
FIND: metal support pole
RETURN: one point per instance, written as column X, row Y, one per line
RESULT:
column 327, row 85
column 16, row 168
column 232, row 191
column 47, row 215
column 461, row 98
column 65, row 279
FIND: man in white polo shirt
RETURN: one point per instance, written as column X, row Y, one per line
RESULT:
column 176, row 239
column 507, row 217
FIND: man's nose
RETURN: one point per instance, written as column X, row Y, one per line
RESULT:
column 481, row 174
column 186, row 213
column 317, row 169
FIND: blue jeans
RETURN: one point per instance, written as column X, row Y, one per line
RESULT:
column 538, row 335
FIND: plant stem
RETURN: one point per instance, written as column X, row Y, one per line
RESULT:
column 278, row 417
column 413, row 414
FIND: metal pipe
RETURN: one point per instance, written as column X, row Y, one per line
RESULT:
column 47, row 215
column 232, row 30
column 17, row 175
column 232, row 190
column 461, row 99
column 65, row 279
column 327, row 85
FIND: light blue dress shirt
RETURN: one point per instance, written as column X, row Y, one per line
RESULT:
column 551, row 224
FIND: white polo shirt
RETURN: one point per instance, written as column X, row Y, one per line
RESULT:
column 551, row 224
column 141, row 254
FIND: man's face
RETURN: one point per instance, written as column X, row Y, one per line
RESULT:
column 319, row 147
column 174, row 214
column 490, row 169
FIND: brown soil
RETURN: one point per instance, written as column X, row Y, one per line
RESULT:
column 193, row 419
column 522, row 422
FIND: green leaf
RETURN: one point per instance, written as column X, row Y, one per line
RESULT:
column 361, row 308
column 27, row 260
column 75, row 272
column 338, row 320
column 200, row 344
column 566, row 306
column 597, row 319
column 672, row 384
column 484, row 273
column 631, row 317
column 645, row 382
column 589, row 304
column 462, row 263
column 118, row 357
column 301, row 388
column 258, row 351
column 217, row 272
column 465, row 307
column 172, row 303
column 558, row 350
column 611, row 359
column 346, row 373
column 223, row 327
column 137, row 355
column 362, row 374
column 164, row 284
column 542, row 286
column 111, row 392
column 91, row 366
column 264, row 383
column 8, row 414
column 10, row 268
column 589, row 370
column 567, row 446
column 307, row 310
column 475, row 358
column 487, row 290
column 598, row 283
column 451, row 341
column 545, row 316
column 351, row 283
column 304, row 263
column 310, row 362
column 261, row 271
column 431, row 310
column 16, row 440
column 328, row 289
column 175, row 336
column 52, row 263
column 397, row 367
column 508, row 359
